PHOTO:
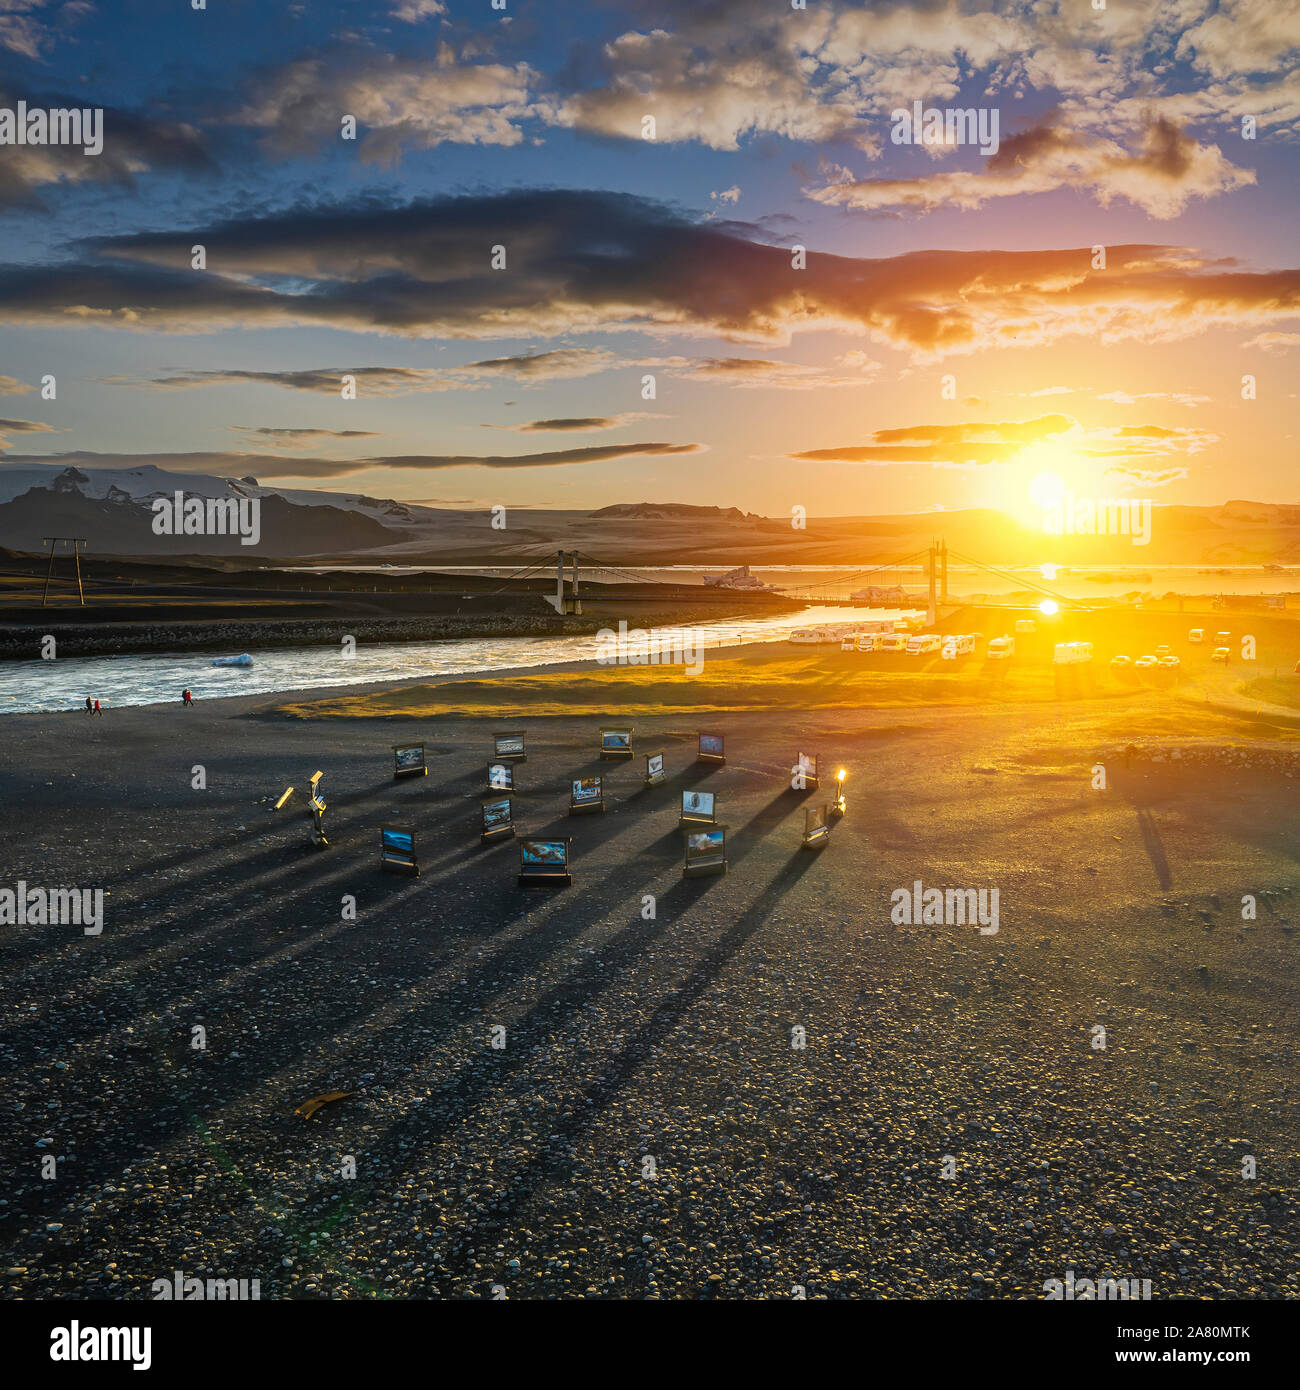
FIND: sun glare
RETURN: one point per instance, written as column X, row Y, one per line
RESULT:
column 1047, row 489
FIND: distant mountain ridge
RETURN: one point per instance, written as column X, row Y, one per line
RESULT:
column 112, row 509
column 671, row 511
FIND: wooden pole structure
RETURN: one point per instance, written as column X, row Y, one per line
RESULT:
column 76, row 542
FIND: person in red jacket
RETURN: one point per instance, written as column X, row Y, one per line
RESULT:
column 97, row 709
column 187, row 696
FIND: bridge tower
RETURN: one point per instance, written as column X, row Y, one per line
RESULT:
column 565, row 602
column 932, row 569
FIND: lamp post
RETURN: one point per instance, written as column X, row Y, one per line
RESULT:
column 840, row 804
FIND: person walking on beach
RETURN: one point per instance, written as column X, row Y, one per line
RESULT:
column 88, row 708
column 186, row 696
column 97, row 710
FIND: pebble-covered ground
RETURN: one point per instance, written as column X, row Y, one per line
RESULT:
column 650, row 1129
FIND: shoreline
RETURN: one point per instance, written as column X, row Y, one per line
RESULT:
column 21, row 641
column 228, row 703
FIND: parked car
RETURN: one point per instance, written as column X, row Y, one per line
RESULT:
column 1121, row 661
column 1170, row 661
column 1222, row 639
column 1220, row 654
column 1145, row 663
column 1197, row 634
column 1164, row 649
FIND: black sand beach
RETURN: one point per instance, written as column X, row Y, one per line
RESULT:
column 631, row 1037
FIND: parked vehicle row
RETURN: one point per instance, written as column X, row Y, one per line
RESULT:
column 849, row 638
column 1163, row 656
column 1149, row 662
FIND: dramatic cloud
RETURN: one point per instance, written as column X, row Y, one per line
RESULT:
column 26, row 25
column 578, row 423
column 954, row 445
column 1243, row 36
column 758, row 372
column 1167, row 172
column 584, row 261
column 595, row 454
column 237, row 463
column 296, row 437
column 133, row 144
column 528, row 369
column 1274, row 342
column 398, row 102
column 1178, row 397
column 413, row 11
column 1149, row 477
column 716, row 88
column 974, row 443
column 8, row 427
column 31, row 426
column 556, row 365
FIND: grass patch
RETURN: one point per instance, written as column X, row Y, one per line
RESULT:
column 758, row 681
column 1274, row 690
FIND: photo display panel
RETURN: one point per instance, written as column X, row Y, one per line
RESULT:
column 543, row 854
column 408, row 756
column 705, row 842
column 586, row 789
column 397, row 841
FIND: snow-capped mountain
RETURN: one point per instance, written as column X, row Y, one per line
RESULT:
column 113, row 509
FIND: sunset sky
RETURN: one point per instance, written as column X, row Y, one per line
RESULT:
column 822, row 386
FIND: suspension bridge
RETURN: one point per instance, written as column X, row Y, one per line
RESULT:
column 918, row 580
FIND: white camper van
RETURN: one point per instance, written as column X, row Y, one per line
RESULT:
column 924, row 642
column 1197, row 634
column 1000, row 648
column 955, row 646
column 1071, row 653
